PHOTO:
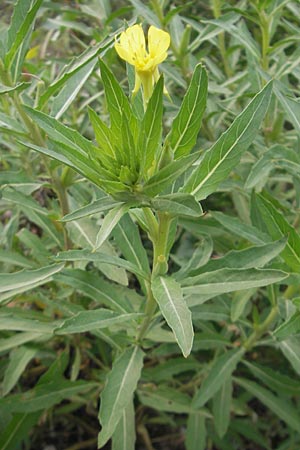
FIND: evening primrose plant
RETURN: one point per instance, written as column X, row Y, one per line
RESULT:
column 140, row 287
column 152, row 179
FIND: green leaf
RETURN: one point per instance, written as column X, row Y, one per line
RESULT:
column 118, row 391
column 45, row 395
column 291, row 351
column 289, row 104
column 165, row 399
column 145, row 12
column 185, row 127
column 18, row 430
column 165, row 177
column 178, row 204
column 124, row 436
column 220, row 371
column 242, row 230
column 61, row 133
column 109, row 223
column 75, row 65
column 149, row 140
column 26, row 278
column 118, row 105
column 98, row 206
column 128, row 239
column 21, row 24
column 94, row 287
column 93, row 320
column 199, row 258
column 19, row 358
column 14, row 322
column 7, row 89
column 21, row 338
column 221, row 408
column 274, row 379
column 228, row 280
column 252, row 257
column 281, row 407
column 16, row 259
column 66, row 96
column 103, row 134
column 11, row 195
column 225, row 154
column 288, row 328
column 69, row 156
column 86, row 255
column 239, row 303
column 167, row 293
column 278, row 226
column 195, row 438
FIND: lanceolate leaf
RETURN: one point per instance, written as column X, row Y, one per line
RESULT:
column 178, row 204
column 12, row 281
column 278, row 226
column 225, row 154
column 186, row 125
column 127, row 237
column 149, row 140
column 222, row 406
column 109, row 222
column 117, row 102
column 93, row 320
column 20, row 26
column 86, row 255
column 220, row 371
column 165, row 177
column 45, row 395
column 118, row 391
column 168, row 295
column 19, row 359
column 103, row 204
column 124, row 434
column 228, row 280
column 282, row 408
column 252, row 257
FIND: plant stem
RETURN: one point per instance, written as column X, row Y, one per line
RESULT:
column 160, row 266
column 261, row 329
column 264, row 26
column 216, row 7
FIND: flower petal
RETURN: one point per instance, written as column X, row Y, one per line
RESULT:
column 158, row 43
column 123, row 53
column 133, row 39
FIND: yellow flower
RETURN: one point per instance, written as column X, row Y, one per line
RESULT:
column 132, row 48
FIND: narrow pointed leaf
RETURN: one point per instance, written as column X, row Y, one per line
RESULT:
column 95, row 319
column 124, row 435
column 109, row 222
column 118, row 391
column 178, row 204
column 278, row 226
column 149, row 140
column 186, row 125
column 165, row 177
column 20, row 26
column 168, row 294
column 225, row 154
column 27, row 278
column 103, row 204
column 282, row 408
column 220, row 371
column 86, row 255
column 228, row 280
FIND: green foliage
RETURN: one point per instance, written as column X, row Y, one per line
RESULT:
column 129, row 311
